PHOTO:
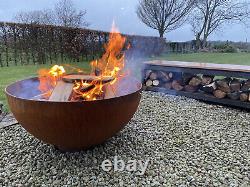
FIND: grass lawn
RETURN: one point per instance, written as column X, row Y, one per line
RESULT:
column 13, row 73
column 218, row 58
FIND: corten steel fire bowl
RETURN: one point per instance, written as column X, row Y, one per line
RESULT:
column 71, row 126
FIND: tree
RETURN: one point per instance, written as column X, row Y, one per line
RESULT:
column 45, row 16
column 164, row 15
column 64, row 14
column 211, row 15
column 68, row 15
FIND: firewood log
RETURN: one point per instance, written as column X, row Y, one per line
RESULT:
column 168, row 85
column 209, row 88
column 207, row 79
column 149, row 83
column 87, row 78
column 223, row 85
column 171, row 75
column 234, row 95
column 187, row 77
column 147, row 74
column 156, row 83
column 195, row 81
column 235, row 85
column 163, row 76
column 178, row 76
column 246, row 86
column 244, row 97
column 153, row 76
column 62, row 92
column 190, row 88
column 177, row 85
column 109, row 91
column 219, row 94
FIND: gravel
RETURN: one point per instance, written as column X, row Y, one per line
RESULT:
column 189, row 143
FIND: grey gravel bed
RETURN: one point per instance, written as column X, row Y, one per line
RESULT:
column 189, row 143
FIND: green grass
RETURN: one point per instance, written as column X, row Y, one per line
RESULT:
column 218, row 58
column 13, row 73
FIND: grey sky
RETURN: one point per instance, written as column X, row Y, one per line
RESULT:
column 100, row 14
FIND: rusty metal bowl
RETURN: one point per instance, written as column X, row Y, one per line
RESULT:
column 71, row 126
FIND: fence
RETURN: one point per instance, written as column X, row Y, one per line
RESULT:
column 41, row 44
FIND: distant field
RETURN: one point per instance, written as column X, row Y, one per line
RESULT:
column 13, row 73
column 219, row 58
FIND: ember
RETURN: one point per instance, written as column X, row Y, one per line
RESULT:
column 101, row 83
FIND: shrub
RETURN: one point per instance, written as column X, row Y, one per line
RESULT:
column 47, row 43
column 225, row 48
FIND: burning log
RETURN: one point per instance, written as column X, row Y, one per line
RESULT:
column 209, row 88
column 87, row 78
column 62, row 92
column 235, row 85
column 177, row 85
column 244, row 97
column 219, row 94
column 207, row 79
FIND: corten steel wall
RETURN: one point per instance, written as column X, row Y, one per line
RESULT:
column 41, row 44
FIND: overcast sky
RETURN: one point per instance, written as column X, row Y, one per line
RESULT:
column 100, row 14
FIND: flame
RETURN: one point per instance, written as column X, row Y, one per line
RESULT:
column 111, row 64
column 49, row 78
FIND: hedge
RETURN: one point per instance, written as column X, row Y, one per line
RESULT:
column 41, row 44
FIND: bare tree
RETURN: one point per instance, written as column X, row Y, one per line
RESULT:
column 36, row 17
column 164, row 15
column 210, row 15
column 68, row 15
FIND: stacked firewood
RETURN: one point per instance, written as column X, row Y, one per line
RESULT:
column 232, row 88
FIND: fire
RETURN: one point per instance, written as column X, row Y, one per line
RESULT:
column 48, row 79
column 57, row 71
column 110, row 65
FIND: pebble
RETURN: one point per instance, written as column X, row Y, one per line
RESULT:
column 189, row 143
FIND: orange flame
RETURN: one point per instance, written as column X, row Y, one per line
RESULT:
column 111, row 64
column 48, row 79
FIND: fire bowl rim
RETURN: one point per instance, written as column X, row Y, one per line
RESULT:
column 139, row 89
